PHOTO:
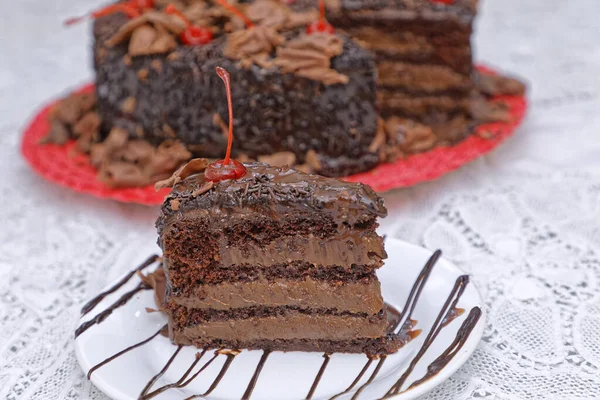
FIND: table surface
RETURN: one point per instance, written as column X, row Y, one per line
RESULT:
column 523, row 220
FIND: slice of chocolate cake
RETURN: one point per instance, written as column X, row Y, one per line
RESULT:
column 277, row 259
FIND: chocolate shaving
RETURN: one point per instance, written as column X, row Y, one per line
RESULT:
column 205, row 188
column 168, row 156
column 380, row 137
column 143, row 74
column 121, row 174
column 309, row 56
column 175, row 204
column 157, row 65
column 128, row 105
column 146, row 40
column 279, row 159
column 277, row 15
column 74, row 117
column 253, row 45
column 59, row 134
column 169, row 131
column 243, row 157
column 494, row 85
column 218, row 121
column 157, row 281
column 123, row 162
column 192, row 167
column 71, row 109
column 312, row 159
column 120, row 161
column 171, row 23
column 86, row 130
column 307, row 169
column 409, row 136
column 484, row 110
column 117, row 138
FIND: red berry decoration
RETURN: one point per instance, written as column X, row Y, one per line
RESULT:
column 443, row 1
column 321, row 25
column 226, row 168
column 193, row 35
column 196, row 35
column 143, row 3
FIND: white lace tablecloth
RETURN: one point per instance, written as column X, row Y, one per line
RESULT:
column 523, row 221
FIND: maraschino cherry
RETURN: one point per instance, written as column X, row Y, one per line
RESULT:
column 231, row 8
column 443, row 1
column 226, row 168
column 132, row 9
column 193, row 35
column 321, row 25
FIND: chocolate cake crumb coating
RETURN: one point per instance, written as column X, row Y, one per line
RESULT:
column 274, row 111
column 277, row 260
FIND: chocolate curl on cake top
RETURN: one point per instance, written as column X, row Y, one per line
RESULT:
column 252, row 45
column 151, row 33
column 131, row 9
column 277, row 15
column 309, row 56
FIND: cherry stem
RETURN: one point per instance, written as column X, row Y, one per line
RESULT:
column 322, row 10
column 224, row 75
column 225, row 4
column 171, row 9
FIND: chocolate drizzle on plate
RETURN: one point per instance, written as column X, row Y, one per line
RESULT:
column 104, row 314
column 326, row 357
column 230, row 357
column 461, row 337
column 160, row 373
column 89, row 306
column 459, row 287
column 120, row 353
column 182, row 382
column 400, row 324
column 356, row 380
column 371, row 378
column 256, row 374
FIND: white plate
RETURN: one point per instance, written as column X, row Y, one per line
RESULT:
column 285, row 376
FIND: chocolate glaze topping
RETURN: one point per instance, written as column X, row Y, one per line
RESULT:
column 275, row 189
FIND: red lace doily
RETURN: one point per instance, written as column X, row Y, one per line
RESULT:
column 61, row 165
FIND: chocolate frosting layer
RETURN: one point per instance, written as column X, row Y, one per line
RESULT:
column 345, row 249
column 291, row 326
column 275, row 190
column 308, row 293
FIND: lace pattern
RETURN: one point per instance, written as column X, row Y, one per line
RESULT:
column 527, row 232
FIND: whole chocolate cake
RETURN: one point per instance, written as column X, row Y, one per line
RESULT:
column 377, row 80
column 277, row 259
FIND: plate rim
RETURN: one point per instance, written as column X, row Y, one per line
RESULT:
column 456, row 363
